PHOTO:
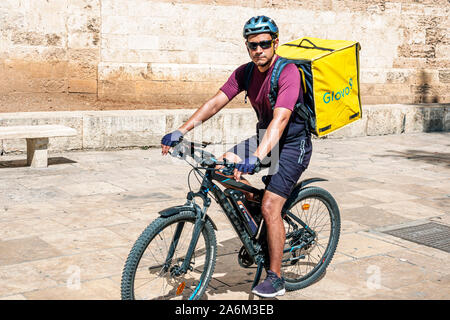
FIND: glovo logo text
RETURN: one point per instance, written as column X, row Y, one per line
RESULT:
column 338, row 95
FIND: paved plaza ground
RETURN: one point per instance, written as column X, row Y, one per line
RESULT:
column 66, row 230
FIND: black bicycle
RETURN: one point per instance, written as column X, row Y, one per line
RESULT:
column 175, row 256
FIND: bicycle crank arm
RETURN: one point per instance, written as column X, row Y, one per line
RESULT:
column 294, row 259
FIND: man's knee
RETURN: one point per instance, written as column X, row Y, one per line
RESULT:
column 267, row 210
column 271, row 206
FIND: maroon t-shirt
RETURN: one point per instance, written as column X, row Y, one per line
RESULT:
column 289, row 89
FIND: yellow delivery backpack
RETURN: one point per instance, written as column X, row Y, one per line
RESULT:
column 330, row 81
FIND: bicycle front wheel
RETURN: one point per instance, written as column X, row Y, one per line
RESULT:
column 312, row 234
column 153, row 269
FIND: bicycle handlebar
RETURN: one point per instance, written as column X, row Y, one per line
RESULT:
column 205, row 159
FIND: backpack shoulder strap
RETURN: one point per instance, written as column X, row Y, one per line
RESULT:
column 248, row 77
column 277, row 69
column 301, row 109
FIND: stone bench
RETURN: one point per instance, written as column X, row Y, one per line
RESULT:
column 37, row 140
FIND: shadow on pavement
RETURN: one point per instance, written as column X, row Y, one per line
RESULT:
column 436, row 158
column 23, row 162
column 229, row 277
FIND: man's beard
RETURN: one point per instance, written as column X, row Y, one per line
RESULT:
column 264, row 64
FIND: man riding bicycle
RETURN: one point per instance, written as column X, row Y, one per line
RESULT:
column 282, row 137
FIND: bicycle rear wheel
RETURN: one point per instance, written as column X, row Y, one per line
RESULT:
column 152, row 267
column 312, row 234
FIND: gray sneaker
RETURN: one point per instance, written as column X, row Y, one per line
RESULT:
column 271, row 287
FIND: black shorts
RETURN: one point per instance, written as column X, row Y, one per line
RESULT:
column 286, row 162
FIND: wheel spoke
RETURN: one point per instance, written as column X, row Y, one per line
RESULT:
column 319, row 212
column 145, row 274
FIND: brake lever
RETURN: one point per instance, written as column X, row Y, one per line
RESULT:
column 228, row 172
column 203, row 144
column 178, row 150
column 229, row 168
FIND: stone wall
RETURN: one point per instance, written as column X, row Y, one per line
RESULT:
column 49, row 46
column 139, row 128
column 180, row 52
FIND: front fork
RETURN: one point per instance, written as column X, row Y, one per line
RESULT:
column 198, row 227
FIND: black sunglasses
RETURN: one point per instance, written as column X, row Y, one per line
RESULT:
column 266, row 44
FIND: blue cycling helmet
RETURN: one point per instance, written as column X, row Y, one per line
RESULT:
column 260, row 24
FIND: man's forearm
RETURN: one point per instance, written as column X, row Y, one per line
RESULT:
column 210, row 108
column 273, row 134
column 202, row 114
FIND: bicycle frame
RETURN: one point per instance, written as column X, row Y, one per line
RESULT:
column 253, row 245
column 201, row 216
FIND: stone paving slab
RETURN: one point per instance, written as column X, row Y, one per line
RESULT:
column 66, row 230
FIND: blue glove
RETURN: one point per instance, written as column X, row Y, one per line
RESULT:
column 249, row 165
column 172, row 138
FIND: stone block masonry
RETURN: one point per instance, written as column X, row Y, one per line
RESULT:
column 49, row 46
column 142, row 128
column 178, row 52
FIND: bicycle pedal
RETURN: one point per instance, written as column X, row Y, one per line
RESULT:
column 244, row 258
